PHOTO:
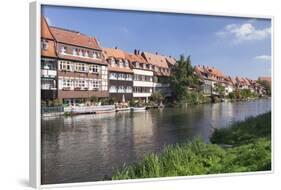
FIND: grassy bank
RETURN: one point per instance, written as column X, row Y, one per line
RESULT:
column 250, row 151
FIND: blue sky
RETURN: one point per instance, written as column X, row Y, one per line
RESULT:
column 236, row 46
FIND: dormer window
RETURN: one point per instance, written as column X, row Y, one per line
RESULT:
column 98, row 55
column 112, row 62
column 81, row 53
column 120, row 63
column 44, row 44
column 126, row 63
column 63, row 50
column 74, row 51
column 137, row 65
column 86, row 54
column 94, row 55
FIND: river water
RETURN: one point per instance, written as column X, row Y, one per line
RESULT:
column 89, row 147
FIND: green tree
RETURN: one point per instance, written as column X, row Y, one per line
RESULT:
column 182, row 76
column 219, row 89
column 267, row 86
column 157, row 97
column 93, row 99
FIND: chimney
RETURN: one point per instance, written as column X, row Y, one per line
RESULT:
column 116, row 47
column 138, row 52
column 135, row 52
column 156, row 53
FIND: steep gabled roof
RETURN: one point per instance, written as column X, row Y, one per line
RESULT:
column 74, row 38
column 171, row 60
column 264, row 78
column 136, row 58
column 47, row 35
column 113, row 52
column 117, row 54
column 155, row 59
column 214, row 71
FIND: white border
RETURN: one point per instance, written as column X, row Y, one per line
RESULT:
column 35, row 95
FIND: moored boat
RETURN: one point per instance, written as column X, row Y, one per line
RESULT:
column 138, row 109
column 123, row 109
column 105, row 111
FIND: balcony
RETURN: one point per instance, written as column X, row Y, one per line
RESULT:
column 48, row 73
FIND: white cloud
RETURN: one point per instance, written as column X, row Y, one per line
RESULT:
column 124, row 29
column 244, row 32
column 263, row 57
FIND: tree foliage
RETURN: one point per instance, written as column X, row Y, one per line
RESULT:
column 267, row 86
column 182, row 76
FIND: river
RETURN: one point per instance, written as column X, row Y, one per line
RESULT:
column 89, row 147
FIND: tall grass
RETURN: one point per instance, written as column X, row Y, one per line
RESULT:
column 246, row 131
column 197, row 157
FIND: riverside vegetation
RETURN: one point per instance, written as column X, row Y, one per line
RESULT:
column 243, row 147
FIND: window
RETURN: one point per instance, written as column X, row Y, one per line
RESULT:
column 48, row 84
column 95, row 84
column 126, row 63
column 121, row 76
column 98, row 55
column 144, row 66
column 94, row 55
column 129, row 77
column 129, row 89
column 80, row 53
column 67, row 83
column 120, row 63
column 94, row 69
column 74, row 51
column 112, row 89
column 44, row 45
column 113, row 76
column 87, row 54
column 112, row 62
column 63, row 49
column 121, row 89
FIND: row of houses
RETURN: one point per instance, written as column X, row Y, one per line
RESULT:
column 211, row 77
column 75, row 67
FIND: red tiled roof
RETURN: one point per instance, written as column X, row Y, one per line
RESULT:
column 114, row 52
column 136, row 58
column 74, row 38
column 45, row 30
column 117, row 54
column 234, row 82
column 214, row 71
column 119, row 69
column 47, row 35
column 265, row 79
column 155, row 59
column 82, row 59
column 171, row 60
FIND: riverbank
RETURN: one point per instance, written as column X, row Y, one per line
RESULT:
column 243, row 147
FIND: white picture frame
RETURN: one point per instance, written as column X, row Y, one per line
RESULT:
column 34, row 91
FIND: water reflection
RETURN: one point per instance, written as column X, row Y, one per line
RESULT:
column 89, row 147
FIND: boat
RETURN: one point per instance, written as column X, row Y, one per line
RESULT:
column 138, row 109
column 123, row 109
column 105, row 111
